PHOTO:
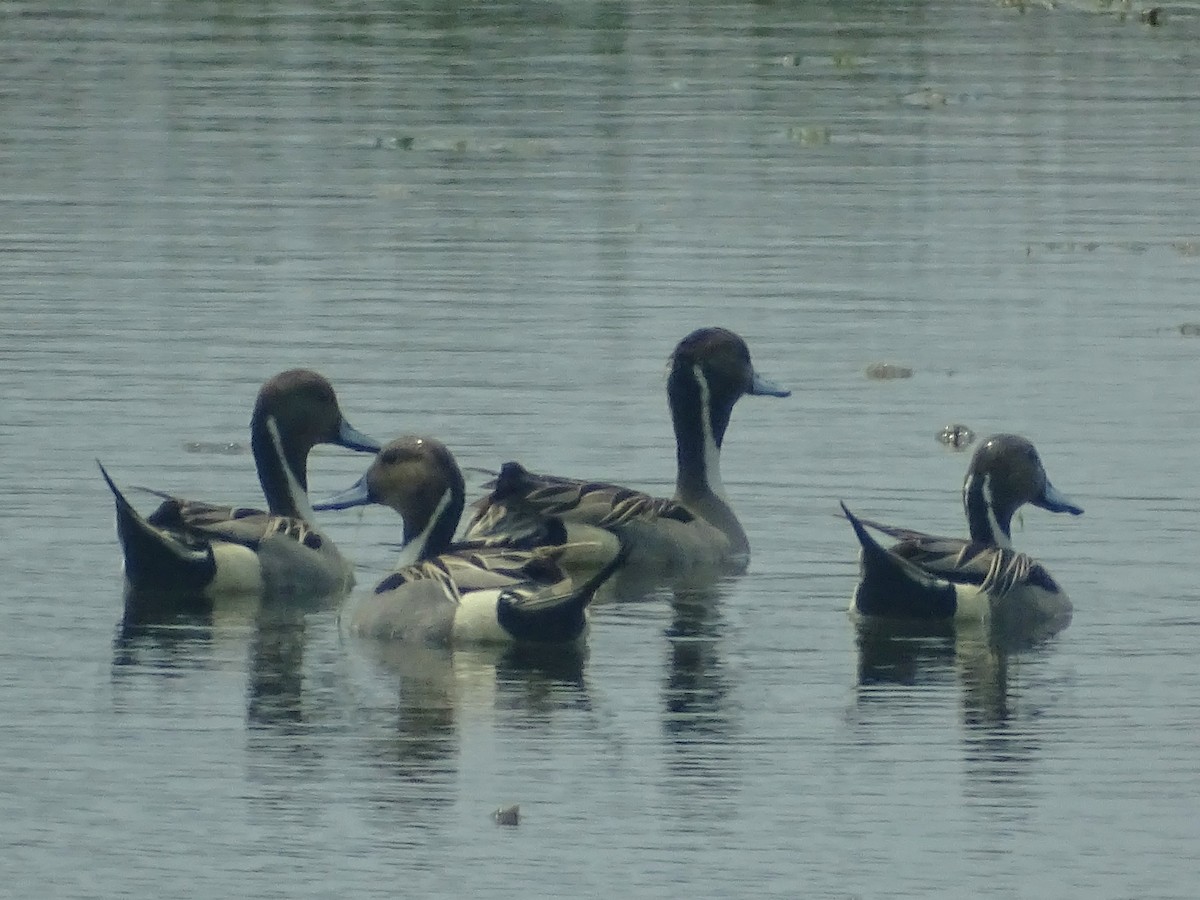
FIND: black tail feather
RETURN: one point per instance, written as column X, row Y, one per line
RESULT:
column 562, row 619
column 512, row 480
column 893, row 587
column 154, row 559
column 596, row 581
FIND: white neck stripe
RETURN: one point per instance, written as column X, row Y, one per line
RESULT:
column 712, row 453
column 298, row 495
column 413, row 551
column 1002, row 539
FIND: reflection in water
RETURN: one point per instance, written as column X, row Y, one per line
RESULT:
column 274, row 693
column 542, row 679
column 159, row 633
column 289, row 719
column 429, row 688
column 982, row 662
column 697, row 687
column 1000, row 737
column 467, row 678
column 413, row 734
column 413, row 704
column 902, row 652
column 159, row 638
column 699, row 725
column 912, row 653
column 265, row 641
column 160, row 649
column 429, row 691
column 198, row 195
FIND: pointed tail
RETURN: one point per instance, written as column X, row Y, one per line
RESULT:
column 558, row 613
column 892, row 587
column 155, row 559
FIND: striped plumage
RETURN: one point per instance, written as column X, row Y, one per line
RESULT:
column 708, row 372
column 533, row 588
column 982, row 577
column 197, row 550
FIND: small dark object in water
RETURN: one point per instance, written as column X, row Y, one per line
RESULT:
column 508, row 815
column 1152, row 16
column 956, row 436
column 219, row 448
column 1190, row 329
column 882, row 371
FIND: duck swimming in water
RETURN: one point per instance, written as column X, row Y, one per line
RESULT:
column 982, row 577
column 709, row 371
column 534, row 588
column 198, row 549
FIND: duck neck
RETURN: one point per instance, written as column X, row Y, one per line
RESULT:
column 988, row 523
column 700, row 417
column 282, row 471
column 424, row 540
column 700, row 424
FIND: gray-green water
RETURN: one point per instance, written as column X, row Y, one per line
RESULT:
column 491, row 223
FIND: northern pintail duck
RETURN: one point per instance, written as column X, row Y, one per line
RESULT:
column 982, row 577
column 443, row 592
column 200, row 549
column 708, row 372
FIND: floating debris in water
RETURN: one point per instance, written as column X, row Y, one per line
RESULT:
column 399, row 142
column 882, row 371
column 217, row 448
column 1118, row 9
column 522, row 147
column 508, row 815
column 810, row 135
column 926, row 98
column 956, row 436
column 1135, row 247
column 1190, row 329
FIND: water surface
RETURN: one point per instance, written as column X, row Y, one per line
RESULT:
column 491, row 224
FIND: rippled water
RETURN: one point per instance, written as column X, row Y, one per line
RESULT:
column 492, row 223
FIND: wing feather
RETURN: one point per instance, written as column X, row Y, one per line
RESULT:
column 996, row 570
column 519, row 497
column 195, row 522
